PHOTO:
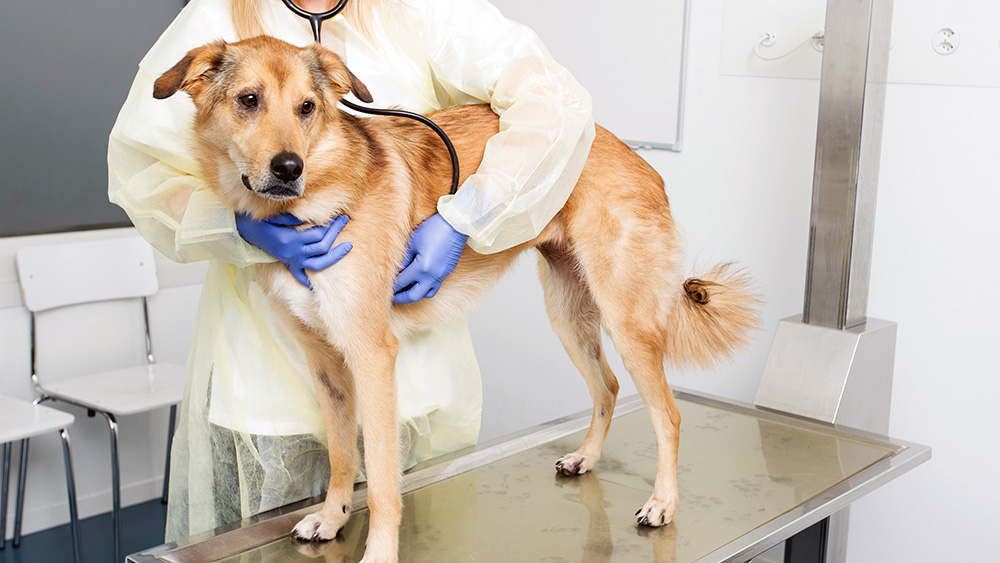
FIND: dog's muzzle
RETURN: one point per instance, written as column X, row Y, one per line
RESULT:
column 285, row 180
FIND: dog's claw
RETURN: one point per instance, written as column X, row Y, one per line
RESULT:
column 317, row 528
column 574, row 464
column 656, row 512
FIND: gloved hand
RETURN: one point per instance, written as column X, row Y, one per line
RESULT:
column 431, row 255
column 311, row 249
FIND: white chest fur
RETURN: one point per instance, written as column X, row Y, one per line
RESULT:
column 329, row 309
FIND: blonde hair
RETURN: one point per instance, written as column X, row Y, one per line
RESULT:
column 249, row 23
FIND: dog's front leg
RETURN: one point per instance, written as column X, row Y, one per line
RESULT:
column 374, row 366
column 335, row 392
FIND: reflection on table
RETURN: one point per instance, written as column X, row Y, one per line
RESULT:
column 737, row 473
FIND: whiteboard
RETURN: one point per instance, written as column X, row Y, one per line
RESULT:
column 630, row 55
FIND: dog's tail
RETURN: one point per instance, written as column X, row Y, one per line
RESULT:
column 713, row 318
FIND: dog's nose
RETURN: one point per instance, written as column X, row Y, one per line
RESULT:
column 286, row 166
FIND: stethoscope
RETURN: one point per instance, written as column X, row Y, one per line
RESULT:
column 316, row 22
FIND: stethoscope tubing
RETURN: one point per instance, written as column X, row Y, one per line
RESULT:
column 316, row 23
column 422, row 119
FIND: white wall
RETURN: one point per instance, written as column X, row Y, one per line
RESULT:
column 935, row 272
column 740, row 190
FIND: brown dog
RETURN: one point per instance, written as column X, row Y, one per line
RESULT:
column 611, row 257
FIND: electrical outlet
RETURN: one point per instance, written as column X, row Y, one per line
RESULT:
column 949, row 43
column 945, row 41
column 817, row 41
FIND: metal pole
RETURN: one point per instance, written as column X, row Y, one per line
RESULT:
column 848, row 147
column 835, row 364
column 4, row 485
column 170, row 443
column 149, row 338
column 74, row 517
column 116, row 488
column 19, row 508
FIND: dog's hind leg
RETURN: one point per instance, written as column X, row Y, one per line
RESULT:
column 631, row 269
column 644, row 361
column 336, row 394
column 640, row 338
column 577, row 321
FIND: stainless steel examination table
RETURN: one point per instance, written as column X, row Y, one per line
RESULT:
column 749, row 479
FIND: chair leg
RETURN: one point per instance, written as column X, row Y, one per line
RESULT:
column 74, row 519
column 19, row 508
column 3, row 494
column 22, row 476
column 170, row 441
column 116, row 490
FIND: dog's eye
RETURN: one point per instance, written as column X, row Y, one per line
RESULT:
column 307, row 108
column 249, row 101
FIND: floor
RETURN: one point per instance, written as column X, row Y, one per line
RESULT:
column 142, row 527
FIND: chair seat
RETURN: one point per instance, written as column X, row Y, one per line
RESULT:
column 125, row 391
column 21, row 419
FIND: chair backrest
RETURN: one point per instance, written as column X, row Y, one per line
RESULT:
column 68, row 274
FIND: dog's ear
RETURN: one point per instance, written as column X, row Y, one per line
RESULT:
column 192, row 72
column 336, row 73
column 358, row 87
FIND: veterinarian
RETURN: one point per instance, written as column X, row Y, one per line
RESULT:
column 250, row 436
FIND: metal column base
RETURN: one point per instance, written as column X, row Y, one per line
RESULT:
column 809, row 545
column 842, row 377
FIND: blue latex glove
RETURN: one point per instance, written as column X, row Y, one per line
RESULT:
column 311, row 249
column 431, row 255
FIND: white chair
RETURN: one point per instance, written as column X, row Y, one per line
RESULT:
column 72, row 274
column 21, row 420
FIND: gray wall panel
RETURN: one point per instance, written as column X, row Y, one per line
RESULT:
column 65, row 69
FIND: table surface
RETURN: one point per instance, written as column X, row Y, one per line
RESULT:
column 748, row 480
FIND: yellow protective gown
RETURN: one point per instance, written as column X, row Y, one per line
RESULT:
column 250, row 436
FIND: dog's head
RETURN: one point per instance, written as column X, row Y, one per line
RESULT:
column 261, row 104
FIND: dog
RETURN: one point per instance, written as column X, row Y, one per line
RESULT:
column 270, row 139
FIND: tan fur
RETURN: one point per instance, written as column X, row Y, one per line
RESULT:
column 610, row 258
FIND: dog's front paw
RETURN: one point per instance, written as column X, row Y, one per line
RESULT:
column 656, row 512
column 574, row 464
column 317, row 527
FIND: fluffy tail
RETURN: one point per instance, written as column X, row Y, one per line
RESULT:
column 713, row 318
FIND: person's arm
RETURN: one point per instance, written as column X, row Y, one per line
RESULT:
column 546, row 128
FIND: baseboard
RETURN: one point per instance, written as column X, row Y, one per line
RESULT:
column 57, row 514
